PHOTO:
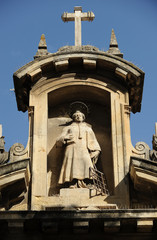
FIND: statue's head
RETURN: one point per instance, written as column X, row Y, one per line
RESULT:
column 78, row 116
column 78, row 110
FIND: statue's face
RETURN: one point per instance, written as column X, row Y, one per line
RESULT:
column 78, row 116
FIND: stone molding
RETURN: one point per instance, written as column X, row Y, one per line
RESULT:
column 142, row 150
column 128, row 75
column 123, row 221
column 143, row 173
column 14, row 182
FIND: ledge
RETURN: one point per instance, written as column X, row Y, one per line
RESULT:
column 14, row 181
column 103, row 221
column 143, row 173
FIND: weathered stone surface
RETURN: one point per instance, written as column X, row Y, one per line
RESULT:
column 81, row 227
column 122, row 221
column 89, row 64
column 61, row 65
column 144, row 175
column 142, row 150
column 78, row 48
column 144, row 225
column 51, row 98
column 13, row 166
column 17, row 151
column 14, row 181
column 73, row 199
column 113, row 49
column 80, row 193
column 105, row 65
column 42, row 48
column 81, row 148
column 112, row 226
column 112, row 87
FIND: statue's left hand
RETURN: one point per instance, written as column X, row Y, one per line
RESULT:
column 94, row 156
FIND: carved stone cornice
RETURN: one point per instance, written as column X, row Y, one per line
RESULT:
column 143, row 173
column 87, row 59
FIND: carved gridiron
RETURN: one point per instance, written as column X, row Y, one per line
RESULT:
column 99, row 180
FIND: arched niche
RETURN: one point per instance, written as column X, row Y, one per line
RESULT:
column 98, row 100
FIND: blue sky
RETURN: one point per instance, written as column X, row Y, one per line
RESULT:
column 23, row 21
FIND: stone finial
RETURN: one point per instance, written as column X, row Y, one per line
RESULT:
column 42, row 43
column 42, row 47
column 113, row 41
column 113, row 49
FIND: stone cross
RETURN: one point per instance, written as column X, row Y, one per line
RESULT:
column 156, row 128
column 78, row 16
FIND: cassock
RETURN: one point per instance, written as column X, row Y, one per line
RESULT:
column 77, row 160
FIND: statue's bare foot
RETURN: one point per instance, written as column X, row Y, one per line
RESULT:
column 81, row 184
column 73, row 186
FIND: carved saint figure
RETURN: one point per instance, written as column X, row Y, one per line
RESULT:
column 81, row 147
column 153, row 153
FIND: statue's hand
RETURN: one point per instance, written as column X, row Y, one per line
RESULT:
column 94, row 156
column 69, row 137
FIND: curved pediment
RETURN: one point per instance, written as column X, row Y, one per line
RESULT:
column 87, row 60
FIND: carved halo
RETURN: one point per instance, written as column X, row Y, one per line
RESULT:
column 78, row 106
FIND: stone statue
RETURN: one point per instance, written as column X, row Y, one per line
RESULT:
column 153, row 153
column 3, row 153
column 81, row 148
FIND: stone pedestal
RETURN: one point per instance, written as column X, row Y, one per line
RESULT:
column 70, row 199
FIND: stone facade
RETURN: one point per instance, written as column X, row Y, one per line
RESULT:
column 111, row 88
column 50, row 83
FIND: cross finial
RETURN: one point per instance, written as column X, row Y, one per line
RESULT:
column 78, row 16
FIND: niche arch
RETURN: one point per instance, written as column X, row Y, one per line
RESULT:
column 98, row 98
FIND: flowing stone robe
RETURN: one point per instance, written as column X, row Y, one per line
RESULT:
column 77, row 159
